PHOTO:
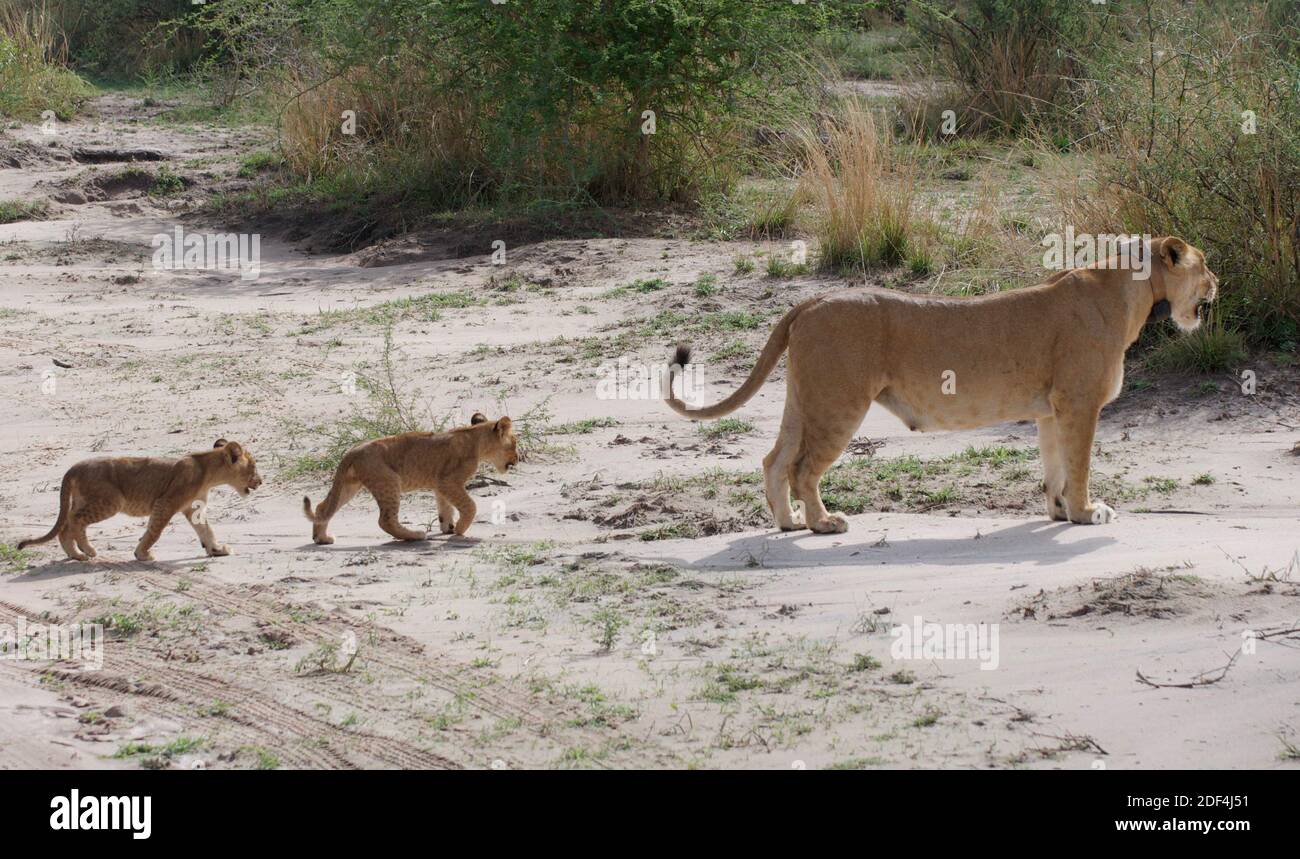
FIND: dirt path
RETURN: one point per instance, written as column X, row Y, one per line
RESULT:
column 625, row 603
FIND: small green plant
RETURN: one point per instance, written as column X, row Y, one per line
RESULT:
column 12, row 211
column 706, row 285
column 15, row 560
column 726, row 428
column 864, row 662
column 608, row 623
column 166, row 183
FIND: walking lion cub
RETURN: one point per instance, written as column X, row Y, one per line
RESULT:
column 96, row 489
column 441, row 462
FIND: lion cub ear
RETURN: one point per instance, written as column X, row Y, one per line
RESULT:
column 1173, row 250
column 234, row 451
column 503, row 427
column 478, row 418
column 221, row 442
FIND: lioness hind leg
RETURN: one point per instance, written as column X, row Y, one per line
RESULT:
column 818, row 449
column 387, row 491
column 1075, row 432
column 1049, row 450
column 776, row 472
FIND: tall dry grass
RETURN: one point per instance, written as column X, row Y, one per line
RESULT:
column 32, row 56
column 864, row 191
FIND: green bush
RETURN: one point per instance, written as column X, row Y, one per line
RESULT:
column 1207, row 147
column 32, row 77
column 485, row 101
column 1007, row 64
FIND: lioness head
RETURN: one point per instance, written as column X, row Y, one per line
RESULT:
column 1189, row 286
column 503, row 451
column 239, row 469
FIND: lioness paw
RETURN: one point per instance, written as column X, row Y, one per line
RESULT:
column 1095, row 514
column 834, row 523
column 218, row 551
column 1102, row 514
column 145, row 555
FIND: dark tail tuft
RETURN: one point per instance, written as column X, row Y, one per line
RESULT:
column 682, row 356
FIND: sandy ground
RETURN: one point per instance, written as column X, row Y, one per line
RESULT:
column 624, row 602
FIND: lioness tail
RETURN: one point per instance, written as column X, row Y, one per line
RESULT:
column 772, row 351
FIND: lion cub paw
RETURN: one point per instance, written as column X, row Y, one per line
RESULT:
column 143, row 555
column 834, row 523
column 218, row 551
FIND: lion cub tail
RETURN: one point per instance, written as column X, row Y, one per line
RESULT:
column 776, row 343
column 328, row 507
column 65, row 507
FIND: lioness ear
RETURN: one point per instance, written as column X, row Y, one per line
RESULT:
column 221, row 442
column 234, row 451
column 478, row 418
column 1173, row 250
column 503, row 427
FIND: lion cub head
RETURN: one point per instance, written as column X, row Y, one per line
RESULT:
column 1189, row 286
column 502, row 447
column 237, row 468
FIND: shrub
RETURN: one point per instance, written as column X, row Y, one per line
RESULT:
column 466, row 101
column 1006, row 64
column 863, row 190
column 1205, row 144
column 32, row 77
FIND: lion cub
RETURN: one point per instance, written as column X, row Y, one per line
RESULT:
column 443, row 462
column 95, row 489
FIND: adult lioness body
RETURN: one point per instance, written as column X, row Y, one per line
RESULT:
column 95, row 489
column 1053, row 353
column 442, row 462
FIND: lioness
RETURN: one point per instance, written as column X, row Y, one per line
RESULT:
column 443, row 462
column 1052, row 352
column 95, row 489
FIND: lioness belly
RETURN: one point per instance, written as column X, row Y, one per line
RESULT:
column 952, row 412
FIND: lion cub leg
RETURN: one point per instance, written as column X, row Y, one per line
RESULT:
column 1075, row 433
column 465, row 508
column 87, row 511
column 446, row 514
column 1049, row 450
column 163, row 511
column 197, row 514
column 387, row 492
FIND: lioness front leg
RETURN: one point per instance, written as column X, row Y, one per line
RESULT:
column 197, row 514
column 1049, row 451
column 1075, row 432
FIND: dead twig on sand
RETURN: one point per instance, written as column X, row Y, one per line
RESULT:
column 1205, row 678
